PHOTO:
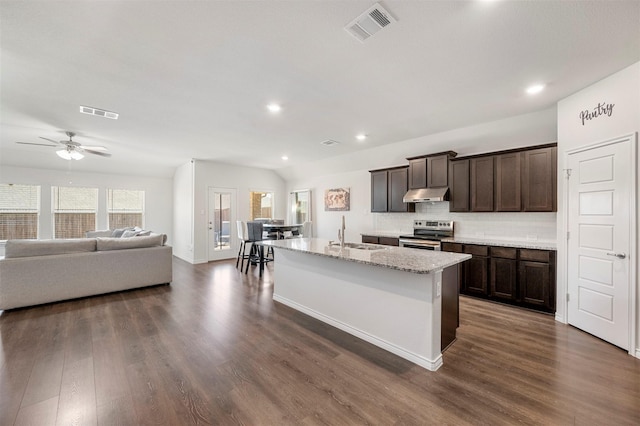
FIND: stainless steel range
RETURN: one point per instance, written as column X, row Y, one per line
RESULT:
column 427, row 234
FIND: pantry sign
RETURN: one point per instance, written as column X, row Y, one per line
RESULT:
column 602, row 109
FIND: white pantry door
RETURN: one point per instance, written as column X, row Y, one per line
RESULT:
column 600, row 216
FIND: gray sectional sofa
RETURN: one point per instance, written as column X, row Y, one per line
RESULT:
column 34, row 272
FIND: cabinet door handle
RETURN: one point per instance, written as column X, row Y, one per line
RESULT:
column 618, row 255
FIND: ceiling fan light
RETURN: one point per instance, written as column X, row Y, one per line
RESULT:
column 69, row 154
column 63, row 153
column 76, row 155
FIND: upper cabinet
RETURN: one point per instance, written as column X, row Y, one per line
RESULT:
column 481, row 185
column 506, row 181
column 539, row 175
column 459, row 186
column 388, row 186
column 438, row 171
column 418, row 173
column 430, row 171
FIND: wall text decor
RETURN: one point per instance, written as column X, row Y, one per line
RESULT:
column 602, row 109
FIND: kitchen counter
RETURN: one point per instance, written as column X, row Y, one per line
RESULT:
column 527, row 244
column 403, row 259
column 402, row 300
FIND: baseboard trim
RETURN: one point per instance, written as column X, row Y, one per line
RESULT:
column 429, row 364
column 638, row 353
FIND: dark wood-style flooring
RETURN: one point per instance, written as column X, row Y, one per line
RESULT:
column 213, row 348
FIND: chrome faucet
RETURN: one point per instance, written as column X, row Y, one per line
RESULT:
column 341, row 234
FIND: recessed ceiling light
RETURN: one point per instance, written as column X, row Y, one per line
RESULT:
column 536, row 88
column 285, row 158
column 329, row 142
column 274, row 107
column 361, row 137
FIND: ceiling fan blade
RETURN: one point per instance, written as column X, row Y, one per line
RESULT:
column 93, row 148
column 39, row 144
column 51, row 140
column 100, row 153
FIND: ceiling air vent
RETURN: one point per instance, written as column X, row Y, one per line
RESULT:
column 369, row 23
column 329, row 142
column 98, row 112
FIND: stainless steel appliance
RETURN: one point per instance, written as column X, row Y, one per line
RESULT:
column 427, row 234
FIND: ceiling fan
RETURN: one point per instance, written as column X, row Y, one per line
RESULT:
column 72, row 150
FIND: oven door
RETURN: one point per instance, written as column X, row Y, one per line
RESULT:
column 417, row 243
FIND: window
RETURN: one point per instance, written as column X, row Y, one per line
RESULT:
column 19, row 211
column 261, row 205
column 125, row 208
column 74, row 211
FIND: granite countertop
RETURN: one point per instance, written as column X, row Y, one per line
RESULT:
column 403, row 259
column 530, row 244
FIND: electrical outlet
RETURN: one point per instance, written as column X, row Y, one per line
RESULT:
column 438, row 289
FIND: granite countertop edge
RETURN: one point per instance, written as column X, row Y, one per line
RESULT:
column 530, row 244
column 401, row 259
column 536, row 245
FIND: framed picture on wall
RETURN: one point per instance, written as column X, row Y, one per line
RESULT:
column 336, row 199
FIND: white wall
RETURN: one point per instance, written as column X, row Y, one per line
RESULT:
column 524, row 130
column 183, row 212
column 158, row 196
column 623, row 90
column 244, row 179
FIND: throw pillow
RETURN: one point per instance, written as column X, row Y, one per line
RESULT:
column 129, row 233
column 143, row 234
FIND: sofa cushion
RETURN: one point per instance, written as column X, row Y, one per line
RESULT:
column 28, row 248
column 109, row 243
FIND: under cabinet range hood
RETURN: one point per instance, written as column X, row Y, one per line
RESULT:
column 426, row 195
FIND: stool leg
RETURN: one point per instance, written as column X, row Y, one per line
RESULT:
column 239, row 251
column 251, row 251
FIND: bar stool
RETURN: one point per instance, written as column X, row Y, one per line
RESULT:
column 254, row 234
column 243, row 237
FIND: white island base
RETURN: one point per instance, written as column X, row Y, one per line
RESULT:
column 396, row 310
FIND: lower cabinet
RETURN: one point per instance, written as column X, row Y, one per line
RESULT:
column 385, row 241
column 476, row 271
column 523, row 277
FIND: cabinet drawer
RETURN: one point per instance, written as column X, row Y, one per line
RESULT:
column 476, row 250
column 535, row 255
column 389, row 241
column 452, row 247
column 504, row 252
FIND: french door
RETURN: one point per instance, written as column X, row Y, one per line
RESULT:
column 222, row 238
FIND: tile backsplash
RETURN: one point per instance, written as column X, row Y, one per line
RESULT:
column 496, row 225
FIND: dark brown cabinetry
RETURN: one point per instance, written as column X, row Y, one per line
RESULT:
column 459, row 186
column 476, row 270
column 539, row 169
column 418, row 173
column 536, row 270
column 523, row 277
column 507, row 182
column 481, row 184
column 388, row 186
column 386, row 241
column 438, row 171
column 503, row 273
column 430, row 171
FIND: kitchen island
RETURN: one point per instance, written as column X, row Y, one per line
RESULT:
column 402, row 300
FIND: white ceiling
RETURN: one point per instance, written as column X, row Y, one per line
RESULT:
column 191, row 79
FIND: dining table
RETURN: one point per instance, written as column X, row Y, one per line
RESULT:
column 279, row 229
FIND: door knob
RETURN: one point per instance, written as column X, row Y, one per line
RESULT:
column 618, row 255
